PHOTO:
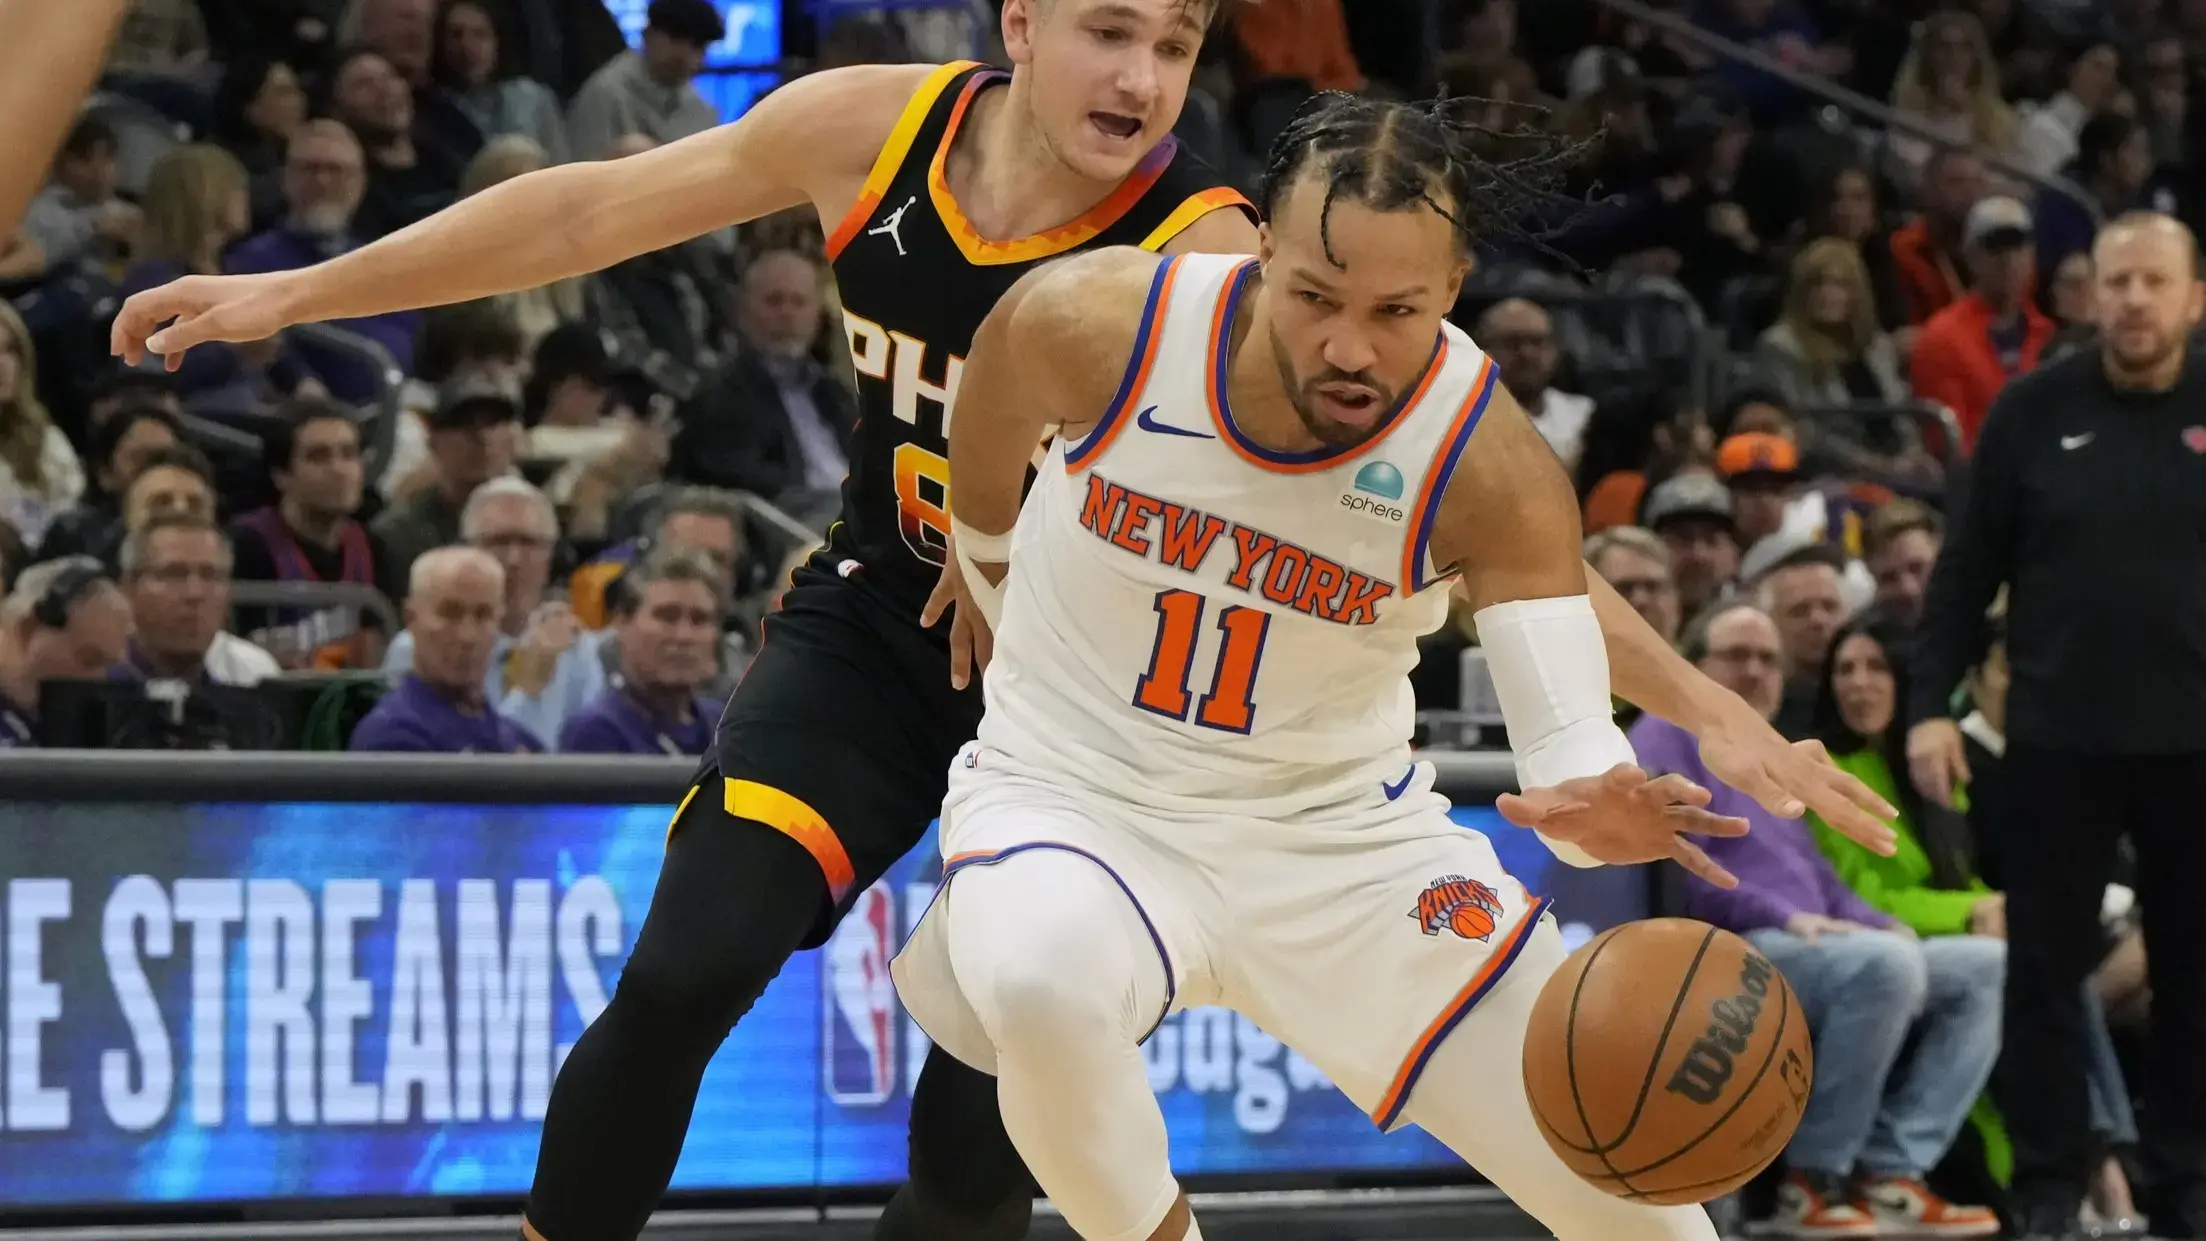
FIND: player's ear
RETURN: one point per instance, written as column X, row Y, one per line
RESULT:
column 1019, row 20
column 1264, row 246
column 1461, row 272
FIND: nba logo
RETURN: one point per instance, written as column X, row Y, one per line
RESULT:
column 858, row 1010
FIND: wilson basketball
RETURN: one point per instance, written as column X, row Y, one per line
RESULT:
column 1667, row 1061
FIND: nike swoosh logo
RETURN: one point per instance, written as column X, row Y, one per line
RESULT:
column 1147, row 421
column 1401, row 786
column 2076, row 441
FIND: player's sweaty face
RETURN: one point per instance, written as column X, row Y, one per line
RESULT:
column 1108, row 77
column 1354, row 337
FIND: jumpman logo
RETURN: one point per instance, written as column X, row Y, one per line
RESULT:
column 894, row 224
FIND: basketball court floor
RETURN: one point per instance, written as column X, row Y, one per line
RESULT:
column 1379, row 1215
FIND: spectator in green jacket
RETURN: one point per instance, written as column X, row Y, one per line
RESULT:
column 1930, row 883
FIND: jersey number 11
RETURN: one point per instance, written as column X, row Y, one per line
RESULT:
column 1231, row 703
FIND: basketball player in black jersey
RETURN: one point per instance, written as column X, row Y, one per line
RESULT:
column 941, row 186
column 945, row 185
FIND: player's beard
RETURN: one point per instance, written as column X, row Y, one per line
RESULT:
column 2157, row 350
column 1303, row 394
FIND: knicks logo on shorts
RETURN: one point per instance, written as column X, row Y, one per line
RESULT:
column 1465, row 906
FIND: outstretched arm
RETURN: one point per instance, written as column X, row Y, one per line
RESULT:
column 55, row 50
column 1509, row 523
column 812, row 140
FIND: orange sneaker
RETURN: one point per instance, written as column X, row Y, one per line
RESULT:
column 1904, row 1205
column 1816, row 1206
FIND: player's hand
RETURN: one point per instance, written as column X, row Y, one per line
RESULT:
column 1622, row 817
column 1989, row 916
column 1812, row 927
column 1937, row 759
column 972, row 643
column 1791, row 778
column 199, row 310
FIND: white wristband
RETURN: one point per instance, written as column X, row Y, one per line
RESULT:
column 986, row 595
column 984, row 548
column 1550, row 669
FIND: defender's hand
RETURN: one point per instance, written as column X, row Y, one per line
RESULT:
column 971, row 641
column 1622, row 817
column 204, row 309
column 1791, row 778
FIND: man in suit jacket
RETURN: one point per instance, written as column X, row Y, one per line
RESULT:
column 773, row 422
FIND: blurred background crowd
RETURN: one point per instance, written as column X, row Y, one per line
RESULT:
column 1817, row 238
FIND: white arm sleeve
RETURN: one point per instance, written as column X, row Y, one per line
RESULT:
column 1550, row 667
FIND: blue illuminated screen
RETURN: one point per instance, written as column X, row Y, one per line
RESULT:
column 753, row 38
column 245, row 1001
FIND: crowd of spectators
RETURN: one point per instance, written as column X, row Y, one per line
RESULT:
column 1763, row 340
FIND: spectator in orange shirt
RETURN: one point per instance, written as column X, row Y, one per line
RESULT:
column 1968, row 351
column 1305, row 39
column 1926, row 253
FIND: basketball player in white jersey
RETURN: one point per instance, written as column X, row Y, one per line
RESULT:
column 1193, row 782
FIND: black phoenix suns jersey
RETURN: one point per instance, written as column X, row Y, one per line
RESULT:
column 916, row 280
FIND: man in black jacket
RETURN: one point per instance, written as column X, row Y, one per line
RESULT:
column 773, row 422
column 2087, row 498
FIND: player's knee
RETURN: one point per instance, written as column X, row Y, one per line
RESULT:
column 705, row 989
column 1038, row 953
column 1883, row 968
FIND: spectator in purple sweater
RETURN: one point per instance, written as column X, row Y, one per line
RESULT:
column 324, row 176
column 1876, row 1121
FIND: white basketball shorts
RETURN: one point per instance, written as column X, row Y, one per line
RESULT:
column 1360, row 940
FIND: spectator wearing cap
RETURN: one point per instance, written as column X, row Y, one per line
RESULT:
column 454, row 604
column 1927, row 253
column 1968, row 351
column 64, row 621
column 544, row 664
column 2114, row 165
column 1693, row 514
column 473, row 435
column 176, row 570
column 1801, row 586
column 324, row 177
column 1520, row 337
column 1900, row 545
column 473, row 343
column 773, row 422
column 667, row 622
column 311, row 534
column 1763, row 472
column 650, row 90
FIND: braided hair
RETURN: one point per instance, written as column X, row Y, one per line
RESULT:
column 1485, row 181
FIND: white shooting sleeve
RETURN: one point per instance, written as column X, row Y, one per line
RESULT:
column 1550, row 668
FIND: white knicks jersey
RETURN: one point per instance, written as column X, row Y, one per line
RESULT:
column 1193, row 620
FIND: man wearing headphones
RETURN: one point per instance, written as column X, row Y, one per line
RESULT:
column 66, row 620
